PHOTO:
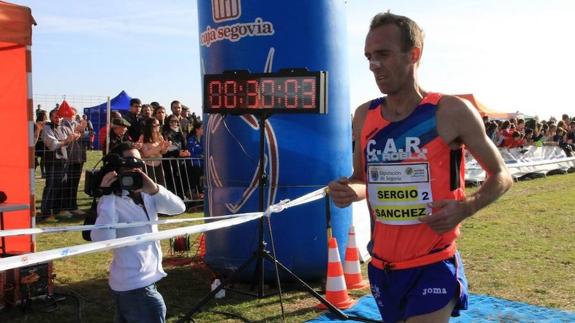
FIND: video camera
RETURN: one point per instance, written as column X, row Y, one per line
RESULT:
column 127, row 178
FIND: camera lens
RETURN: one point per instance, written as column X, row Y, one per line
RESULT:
column 127, row 181
column 131, row 181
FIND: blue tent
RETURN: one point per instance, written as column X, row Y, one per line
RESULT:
column 97, row 114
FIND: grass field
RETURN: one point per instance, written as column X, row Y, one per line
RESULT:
column 521, row 248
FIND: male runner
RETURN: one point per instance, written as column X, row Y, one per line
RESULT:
column 409, row 164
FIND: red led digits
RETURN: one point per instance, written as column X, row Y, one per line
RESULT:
column 263, row 93
column 253, row 96
column 291, row 97
column 268, row 91
column 243, row 92
column 308, row 94
column 230, row 94
column 214, row 94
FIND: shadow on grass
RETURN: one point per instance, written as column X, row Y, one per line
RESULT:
column 194, row 284
column 87, row 301
column 91, row 301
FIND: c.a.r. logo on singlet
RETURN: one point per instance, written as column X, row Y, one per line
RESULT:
column 391, row 152
column 223, row 10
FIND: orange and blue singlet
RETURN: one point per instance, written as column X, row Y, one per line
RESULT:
column 408, row 165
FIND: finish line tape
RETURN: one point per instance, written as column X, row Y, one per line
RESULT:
column 53, row 254
column 309, row 197
column 121, row 225
column 44, row 256
column 276, row 208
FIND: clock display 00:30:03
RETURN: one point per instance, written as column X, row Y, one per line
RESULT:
column 293, row 92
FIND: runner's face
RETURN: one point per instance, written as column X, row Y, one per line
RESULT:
column 392, row 68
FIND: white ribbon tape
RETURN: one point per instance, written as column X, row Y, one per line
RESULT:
column 121, row 225
column 44, row 256
column 226, row 221
column 309, row 197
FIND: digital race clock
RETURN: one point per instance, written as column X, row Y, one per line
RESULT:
column 288, row 91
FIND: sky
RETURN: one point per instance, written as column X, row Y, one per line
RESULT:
column 513, row 55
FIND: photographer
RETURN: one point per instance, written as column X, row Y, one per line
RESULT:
column 131, row 196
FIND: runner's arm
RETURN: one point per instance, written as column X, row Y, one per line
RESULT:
column 346, row 190
column 473, row 136
column 465, row 126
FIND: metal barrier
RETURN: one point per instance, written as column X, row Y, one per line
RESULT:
column 182, row 176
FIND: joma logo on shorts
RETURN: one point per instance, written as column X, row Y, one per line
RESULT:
column 439, row 291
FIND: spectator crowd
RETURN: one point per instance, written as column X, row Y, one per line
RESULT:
column 171, row 146
column 518, row 132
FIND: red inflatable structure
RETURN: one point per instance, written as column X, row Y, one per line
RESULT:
column 16, row 133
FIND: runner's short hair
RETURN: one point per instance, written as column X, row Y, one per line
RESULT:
column 411, row 35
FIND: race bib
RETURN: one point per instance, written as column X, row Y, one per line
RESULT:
column 399, row 193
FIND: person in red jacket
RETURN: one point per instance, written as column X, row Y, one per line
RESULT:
column 103, row 133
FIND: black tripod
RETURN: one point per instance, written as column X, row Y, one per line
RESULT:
column 262, row 254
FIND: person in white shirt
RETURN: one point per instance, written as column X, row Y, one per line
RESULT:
column 135, row 269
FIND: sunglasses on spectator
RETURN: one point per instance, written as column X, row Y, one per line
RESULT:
column 174, row 121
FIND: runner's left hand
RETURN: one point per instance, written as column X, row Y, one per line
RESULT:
column 446, row 215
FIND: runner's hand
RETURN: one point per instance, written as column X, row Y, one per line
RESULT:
column 446, row 215
column 341, row 193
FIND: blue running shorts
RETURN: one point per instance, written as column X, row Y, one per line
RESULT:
column 401, row 294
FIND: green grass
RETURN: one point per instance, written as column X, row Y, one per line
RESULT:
column 520, row 248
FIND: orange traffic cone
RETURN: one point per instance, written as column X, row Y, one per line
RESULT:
column 351, row 267
column 335, row 288
column 202, row 248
